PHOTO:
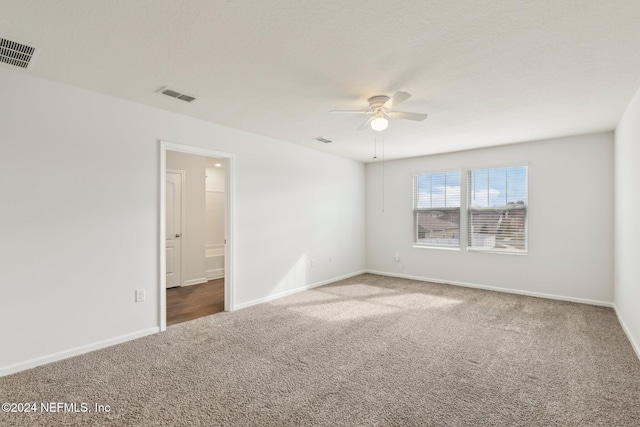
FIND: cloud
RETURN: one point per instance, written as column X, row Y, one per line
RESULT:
column 494, row 197
column 437, row 198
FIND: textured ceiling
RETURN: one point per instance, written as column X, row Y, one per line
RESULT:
column 488, row 72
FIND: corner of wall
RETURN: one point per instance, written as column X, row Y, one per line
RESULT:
column 626, row 217
column 634, row 344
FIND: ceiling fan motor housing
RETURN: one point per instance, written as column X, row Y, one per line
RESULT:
column 376, row 102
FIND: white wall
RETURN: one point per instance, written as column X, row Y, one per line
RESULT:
column 194, row 222
column 627, row 220
column 215, row 203
column 80, row 215
column 215, row 175
column 215, row 222
column 570, row 252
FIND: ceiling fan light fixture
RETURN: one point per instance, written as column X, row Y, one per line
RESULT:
column 381, row 108
column 379, row 124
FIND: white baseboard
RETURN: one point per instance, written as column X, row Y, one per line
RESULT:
column 495, row 288
column 633, row 342
column 43, row 360
column 195, row 281
column 216, row 273
column 295, row 291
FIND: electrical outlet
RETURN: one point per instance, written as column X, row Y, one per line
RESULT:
column 397, row 257
column 330, row 260
column 313, row 262
column 140, row 295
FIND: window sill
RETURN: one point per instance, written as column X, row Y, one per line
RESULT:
column 437, row 247
column 493, row 251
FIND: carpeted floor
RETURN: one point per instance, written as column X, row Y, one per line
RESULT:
column 369, row 350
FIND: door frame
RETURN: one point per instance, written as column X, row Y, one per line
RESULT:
column 182, row 214
column 229, row 269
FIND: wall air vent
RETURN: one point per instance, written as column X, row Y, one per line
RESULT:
column 325, row 140
column 18, row 54
column 175, row 94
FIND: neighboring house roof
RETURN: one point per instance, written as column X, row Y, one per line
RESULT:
column 490, row 222
column 428, row 222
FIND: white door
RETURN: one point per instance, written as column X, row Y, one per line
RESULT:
column 174, row 229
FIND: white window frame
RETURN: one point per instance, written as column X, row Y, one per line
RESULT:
column 415, row 211
column 469, row 210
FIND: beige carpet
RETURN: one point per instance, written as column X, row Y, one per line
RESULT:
column 365, row 351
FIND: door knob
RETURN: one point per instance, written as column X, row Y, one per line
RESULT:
column 177, row 235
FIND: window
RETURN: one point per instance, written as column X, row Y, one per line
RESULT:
column 436, row 210
column 497, row 219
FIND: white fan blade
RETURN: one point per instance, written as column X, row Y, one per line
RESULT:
column 366, row 124
column 408, row 116
column 396, row 99
column 350, row 112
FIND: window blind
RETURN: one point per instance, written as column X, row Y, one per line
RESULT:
column 497, row 219
column 436, row 209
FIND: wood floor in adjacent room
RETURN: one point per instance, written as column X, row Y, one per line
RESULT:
column 186, row 303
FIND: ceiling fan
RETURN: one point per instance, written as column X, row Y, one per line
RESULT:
column 381, row 108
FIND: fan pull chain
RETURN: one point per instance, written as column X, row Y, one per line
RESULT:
column 375, row 147
column 382, row 173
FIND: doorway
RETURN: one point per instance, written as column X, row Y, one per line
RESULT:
column 196, row 274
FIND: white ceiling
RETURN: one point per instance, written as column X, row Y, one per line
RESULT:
column 488, row 72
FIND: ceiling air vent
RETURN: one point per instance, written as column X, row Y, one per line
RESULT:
column 18, row 54
column 175, row 94
column 325, row 140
